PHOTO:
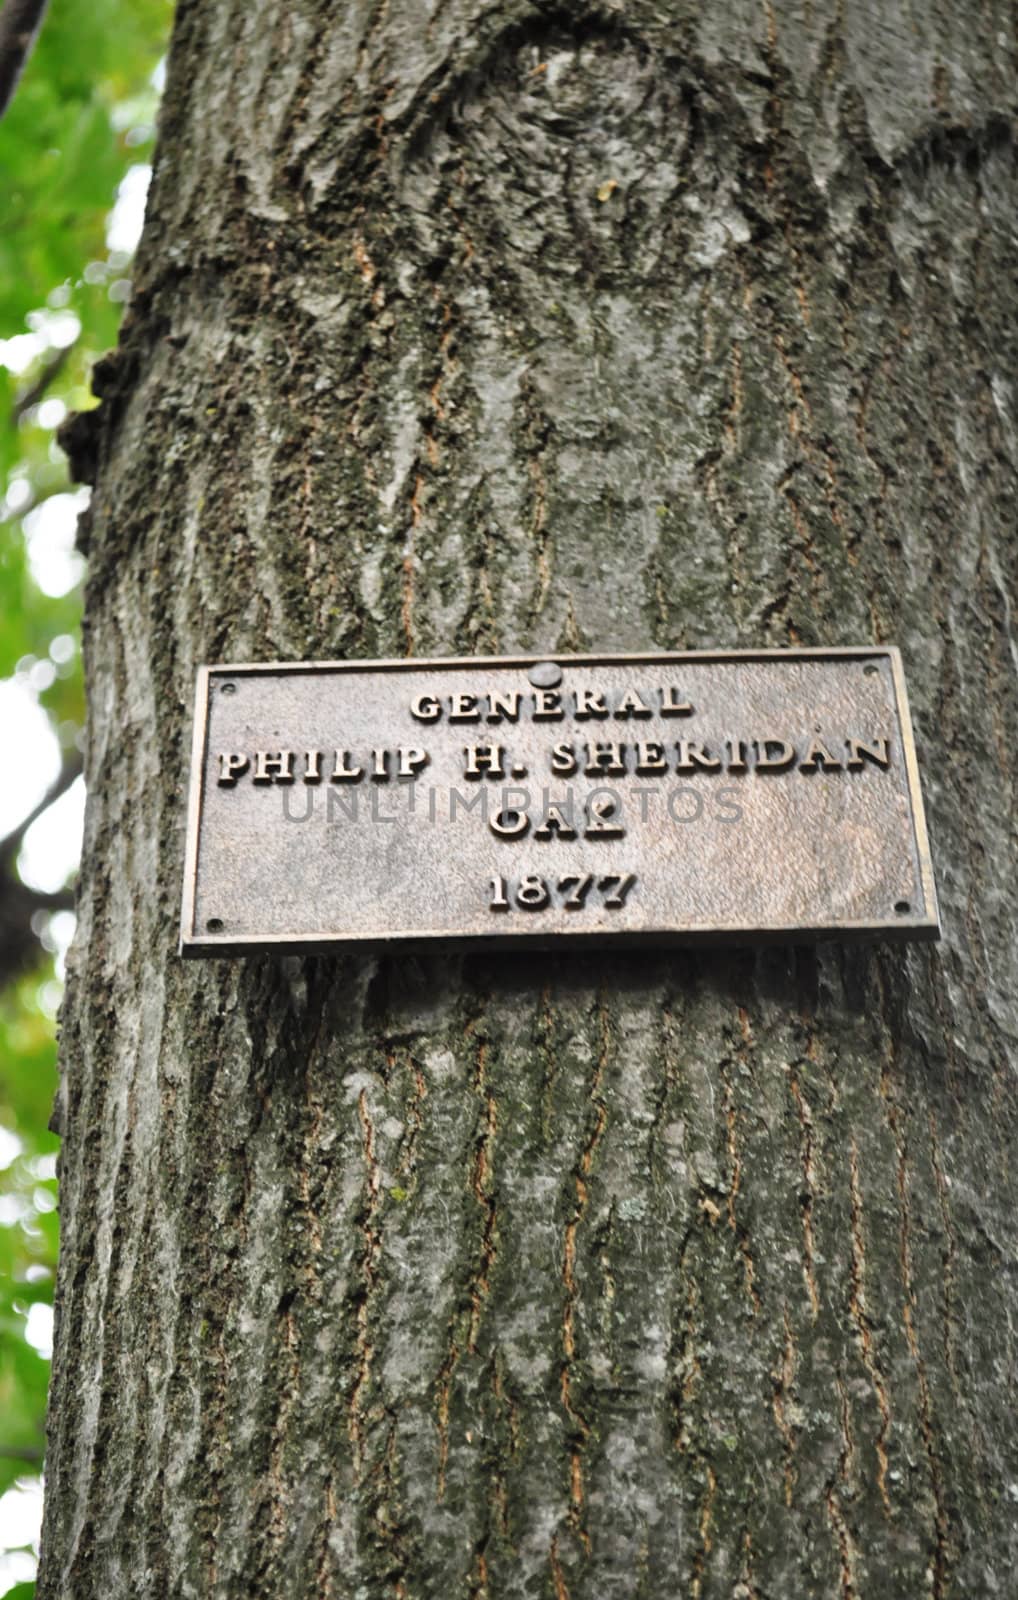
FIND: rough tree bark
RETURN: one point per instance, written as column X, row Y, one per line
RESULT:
column 487, row 328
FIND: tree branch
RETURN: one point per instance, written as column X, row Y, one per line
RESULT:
column 20, row 21
column 19, row 943
column 19, row 904
column 35, row 391
column 69, row 773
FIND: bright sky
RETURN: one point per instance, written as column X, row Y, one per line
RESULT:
column 20, row 1520
column 52, row 845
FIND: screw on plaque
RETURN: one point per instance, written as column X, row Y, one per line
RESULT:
column 545, row 674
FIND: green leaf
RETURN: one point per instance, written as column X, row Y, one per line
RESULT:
column 82, row 115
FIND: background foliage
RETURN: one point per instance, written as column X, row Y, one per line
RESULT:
column 78, row 132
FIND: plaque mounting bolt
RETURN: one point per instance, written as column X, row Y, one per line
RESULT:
column 545, row 675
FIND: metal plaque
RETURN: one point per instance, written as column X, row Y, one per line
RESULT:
column 688, row 797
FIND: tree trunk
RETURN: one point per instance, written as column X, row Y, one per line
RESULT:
column 586, row 1276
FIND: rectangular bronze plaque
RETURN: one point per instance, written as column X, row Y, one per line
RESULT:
column 703, row 795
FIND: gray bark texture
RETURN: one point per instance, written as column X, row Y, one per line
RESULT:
column 503, row 327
